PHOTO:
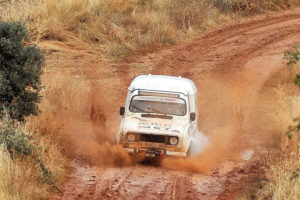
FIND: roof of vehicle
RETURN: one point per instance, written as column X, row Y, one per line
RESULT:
column 164, row 83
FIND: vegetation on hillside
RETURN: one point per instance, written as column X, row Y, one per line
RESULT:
column 31, row 166
column 31, row 162
column 282, row 174
column 123, row 27
column 21, row 68
column 28, row 161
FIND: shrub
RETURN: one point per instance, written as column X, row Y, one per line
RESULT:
column 282, row 177
column 20, row 145
column 232, row 6
column 31, row 165
column 292, row 57
column 20, row 71
column 297, row 79
column 282, row 181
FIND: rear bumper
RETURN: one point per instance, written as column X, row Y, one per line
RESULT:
column 156, row 152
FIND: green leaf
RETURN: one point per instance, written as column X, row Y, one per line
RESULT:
column 20, row 69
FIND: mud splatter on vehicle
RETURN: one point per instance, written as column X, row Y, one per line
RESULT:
column 159, row 117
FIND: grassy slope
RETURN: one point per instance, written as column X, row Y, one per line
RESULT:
column 31, row 165
column 283, row 180
column 281, row 100
column 122, row 27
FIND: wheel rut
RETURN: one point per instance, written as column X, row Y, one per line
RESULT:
column 229, row 67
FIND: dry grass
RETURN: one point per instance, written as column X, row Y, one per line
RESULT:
column 288, row 111
column 64, row 96
column 21, row 177
column 71, row 112
column 283, row 181
column 16, row 178
column 122, row 27
column 282, row 105
column 284, row 176
column 69, row 119
column 119, row 26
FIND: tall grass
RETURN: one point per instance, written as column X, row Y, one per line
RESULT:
column 14, row 178
column 68, row 97
column 282, row 177
column 283, row 111
column 119, row 26
column 72, row 113
column 31, row 166
column 286, row 98
column 283, row 181
column 70, row 118
column 64, row 97
column 122, row 27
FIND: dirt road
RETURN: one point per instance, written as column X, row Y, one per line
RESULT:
column 229, row 66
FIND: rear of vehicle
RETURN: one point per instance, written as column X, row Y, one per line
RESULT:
column 159, row 117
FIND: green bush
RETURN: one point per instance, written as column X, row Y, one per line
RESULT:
column 292, row 58
column 20, row 71
column 17, row 144
column 297, row 79
column 23, row 146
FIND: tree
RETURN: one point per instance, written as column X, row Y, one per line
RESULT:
column 20, row 71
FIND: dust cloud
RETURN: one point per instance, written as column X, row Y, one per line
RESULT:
column 222, row 105
column 95, row 144
column 86, row 122
column 89, row 133
column 211, row 152
column 198, row 144
column 73, row 112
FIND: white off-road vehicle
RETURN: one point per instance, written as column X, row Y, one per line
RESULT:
column 159, row 117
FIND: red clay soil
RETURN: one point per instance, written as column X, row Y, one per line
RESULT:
column 229, row 66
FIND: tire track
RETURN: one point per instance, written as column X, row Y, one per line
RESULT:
column 211, row 48
column 223, row 63
column 174, row 188
column 207, row 41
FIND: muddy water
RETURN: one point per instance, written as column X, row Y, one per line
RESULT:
column 229, row 67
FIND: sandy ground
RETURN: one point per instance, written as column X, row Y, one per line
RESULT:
column 229, row 66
